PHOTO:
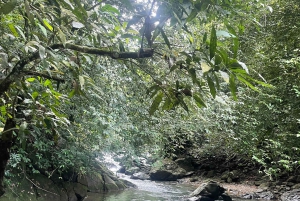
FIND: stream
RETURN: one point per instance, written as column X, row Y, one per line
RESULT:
column 147, row 190
column 150, row 191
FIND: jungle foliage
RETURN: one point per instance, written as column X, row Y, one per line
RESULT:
column 79, row 78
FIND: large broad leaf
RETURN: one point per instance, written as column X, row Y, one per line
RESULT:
column 212, row 87
column 213, row 43
column 111, row 9
column 6, row 8
column 156, row 103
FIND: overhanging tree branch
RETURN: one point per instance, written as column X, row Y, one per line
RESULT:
column 18, row 68
column 43, row 75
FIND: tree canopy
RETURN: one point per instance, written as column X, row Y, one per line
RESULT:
column 83, row 77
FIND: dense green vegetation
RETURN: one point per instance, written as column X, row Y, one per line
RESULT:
column 172, row 77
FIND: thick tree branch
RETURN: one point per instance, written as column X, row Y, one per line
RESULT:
column 18, row 68
column 26, row 72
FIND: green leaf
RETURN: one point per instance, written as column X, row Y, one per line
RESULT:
column 43, row 29
column 225, row 34
column 243, row 80
column 21, row 32
column 109, row 8
column 184, row 105
column 29, row 13
column 62, row 36
column 47, row 24
column 42, row 52
column 3, row 110
column 13, row 30
column 235, row 48
column 232, row 86
column 168, row 104
column 165, row 38
column 48, row 83
column 218, row 59
column 213, row 43
column 212, row 87
column 192, row 15
column 193, row 75
column 199, row 102
column 48, row 123
column 31, row 79
column 217, row 80
column 71, row 94
column 156, row 103
column 35, row 94
column 204, row 38
column 205, row 67
column 8, row 7
column 174, row 67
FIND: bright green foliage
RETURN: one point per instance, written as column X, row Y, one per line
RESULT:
column 63, row 78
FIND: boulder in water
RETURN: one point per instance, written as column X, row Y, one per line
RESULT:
column 140, row 175
column 209, row 192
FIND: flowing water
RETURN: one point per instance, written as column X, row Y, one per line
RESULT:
column 150, row 191
column 147, row 190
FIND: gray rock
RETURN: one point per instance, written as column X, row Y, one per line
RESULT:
column 293, row 195
column 167, row 170
column 140, row 175
column 210, row 190
column 132, row 170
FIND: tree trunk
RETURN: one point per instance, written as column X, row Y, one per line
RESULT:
column 5, row 145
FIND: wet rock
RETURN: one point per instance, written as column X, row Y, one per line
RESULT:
column 167, row 170
column 122, row 170
column 293, row 195
column 210, row 191
column 267, row 195
column 140, row 175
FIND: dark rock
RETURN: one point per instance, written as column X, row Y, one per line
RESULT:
column 210, row 190
column 167, row 170
column 226, row 197
column 140, row 175
column 161, row 175
column 293, row 195
column 109, row 183
column 122, row 170
column 185, row 163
